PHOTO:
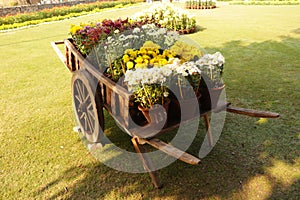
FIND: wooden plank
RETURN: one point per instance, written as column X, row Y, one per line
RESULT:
column 58, row 52
column 208, row 130
column 147, row 163
column 172, row 151
column 252, row 113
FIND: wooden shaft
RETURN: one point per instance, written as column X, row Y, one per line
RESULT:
column 58, row 52
column 252, row 113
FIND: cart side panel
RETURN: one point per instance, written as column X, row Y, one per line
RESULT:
column 117, row 105
column 73, row 57
column 115, row 98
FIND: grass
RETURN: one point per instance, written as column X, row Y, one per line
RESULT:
column 42, row 158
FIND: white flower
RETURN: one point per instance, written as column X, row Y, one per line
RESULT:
column 136, row 30
column 147, row 76
column 215, row 59
column 166, row 94
column 122, row 37
column 148, row 26
column 116, row 31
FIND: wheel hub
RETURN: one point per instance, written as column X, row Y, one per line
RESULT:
column 82, row 107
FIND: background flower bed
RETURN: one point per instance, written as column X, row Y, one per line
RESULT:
column 200, row 4
column 168, row 16
column 58, row 13
column 266, row 2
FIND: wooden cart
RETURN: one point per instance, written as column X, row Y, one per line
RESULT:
column 92, row 92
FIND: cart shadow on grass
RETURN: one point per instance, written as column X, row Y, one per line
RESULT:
column 246, row 151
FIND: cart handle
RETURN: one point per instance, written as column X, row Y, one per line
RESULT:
column 58, row 52
column 252, row 113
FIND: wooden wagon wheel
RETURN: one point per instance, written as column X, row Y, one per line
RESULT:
column 88, row 105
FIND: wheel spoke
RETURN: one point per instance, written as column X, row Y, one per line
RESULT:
column 85, row 122
column 78, row 98
column 86, row 98
column 78, row 89
column 84, row 95
column 82, row 115
column 90, row 105
column 90, row 123
column 91, row 113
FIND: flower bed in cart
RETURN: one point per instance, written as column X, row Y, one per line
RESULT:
column 158, row 66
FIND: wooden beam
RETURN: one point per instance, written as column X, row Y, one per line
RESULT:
column 252, row 113
column 147, row 163
column 172, row 151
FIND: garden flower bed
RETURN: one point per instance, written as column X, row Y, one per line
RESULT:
column 200, row 4
column 54, row 14
column 266, row 2
column 169, row 17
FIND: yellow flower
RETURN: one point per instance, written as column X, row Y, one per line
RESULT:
column 152, row 53
column 129, row 65
column 140, row 65
column 125, row 58
column 139, row 60
column 128, row 51
column 142, row 51
column 133, row 54
column 146, row 57
column 74, row 29
column 152, row 61
column 163, row 62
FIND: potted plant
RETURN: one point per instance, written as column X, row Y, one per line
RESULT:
column 185, row 84
column 149, row 91
column 211, row 66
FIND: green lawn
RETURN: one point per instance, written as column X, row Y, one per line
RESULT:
column 42, row 158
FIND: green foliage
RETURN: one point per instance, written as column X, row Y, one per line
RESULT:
column 148, row 95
